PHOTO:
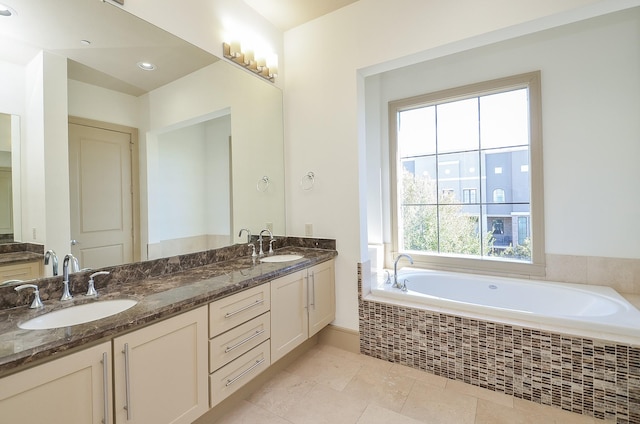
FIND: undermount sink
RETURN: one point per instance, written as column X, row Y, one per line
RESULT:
column 281, row 258
column 80, row 314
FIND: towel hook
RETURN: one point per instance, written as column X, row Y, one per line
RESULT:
column 263, row 184
column 307, row 182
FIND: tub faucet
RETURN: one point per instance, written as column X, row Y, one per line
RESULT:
column 66, row 295
column 395, row 269
column 50, row 254
column 261, row 252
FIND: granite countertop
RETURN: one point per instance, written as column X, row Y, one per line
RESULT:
column 19, row 257
column 158, row 297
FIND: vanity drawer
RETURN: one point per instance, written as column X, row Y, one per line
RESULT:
column 237, row 373
column 224, row 314
column 232, row 344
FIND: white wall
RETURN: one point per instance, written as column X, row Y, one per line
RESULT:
column 218, row 176
column 590, row 126
column 97, row 103
column 325, row 130
column 190, row 188
column 207, row 23
column 256, row 126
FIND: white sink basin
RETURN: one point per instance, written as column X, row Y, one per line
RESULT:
column 78, row 314
column 281, row 258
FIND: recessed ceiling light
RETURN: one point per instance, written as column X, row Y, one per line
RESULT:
column 6, row 10
column 147, row 66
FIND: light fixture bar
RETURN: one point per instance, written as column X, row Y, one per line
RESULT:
column 258, row 66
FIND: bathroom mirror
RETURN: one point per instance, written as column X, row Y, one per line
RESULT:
column 216, row 93
column 6, row 190
column 9, row 178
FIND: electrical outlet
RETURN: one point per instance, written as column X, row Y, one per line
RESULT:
column 308, row 230
column 270, row 226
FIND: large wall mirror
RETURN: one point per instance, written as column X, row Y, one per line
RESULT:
column 203, row 138
column 9, row 178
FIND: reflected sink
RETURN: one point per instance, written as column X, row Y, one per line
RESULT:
column 80, row 314
column 281, row 258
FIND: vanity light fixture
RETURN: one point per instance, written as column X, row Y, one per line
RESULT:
column 246, row 59
column 146, row 66
column 6, row 10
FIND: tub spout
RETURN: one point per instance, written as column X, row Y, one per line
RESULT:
column 396, row 284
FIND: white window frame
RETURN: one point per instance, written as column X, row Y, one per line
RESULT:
column 484, row 265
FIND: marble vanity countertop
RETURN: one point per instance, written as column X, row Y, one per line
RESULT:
column 19, row 257
column 158, row 298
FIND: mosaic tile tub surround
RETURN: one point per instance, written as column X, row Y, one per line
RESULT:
column 587, row 376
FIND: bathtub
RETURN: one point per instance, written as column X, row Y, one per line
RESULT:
column 579, row 309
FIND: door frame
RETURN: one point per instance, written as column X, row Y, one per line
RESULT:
column 135, row 172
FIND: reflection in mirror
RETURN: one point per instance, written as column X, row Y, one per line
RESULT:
column 6, row 196
column 192, row 209
column 216, row 93
column 9, row 178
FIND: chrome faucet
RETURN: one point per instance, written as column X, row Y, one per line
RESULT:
column 261, row 252
column 395, row 269
column 248, row 234
column 66, row 295
column 50, row 254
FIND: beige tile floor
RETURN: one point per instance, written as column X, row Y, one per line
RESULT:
column 333, row 386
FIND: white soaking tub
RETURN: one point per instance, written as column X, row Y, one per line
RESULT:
column 580, row 309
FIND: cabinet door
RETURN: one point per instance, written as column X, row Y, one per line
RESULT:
column 21, row 271
column 160, row 372
column 289, row 318
column 322, row 296
column 69, row 390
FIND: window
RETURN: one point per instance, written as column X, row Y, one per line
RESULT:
column 475, row 141
column 469, row 195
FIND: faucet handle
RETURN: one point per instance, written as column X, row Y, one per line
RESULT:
column 253, row 250
column 91, row 291
column 37, row 303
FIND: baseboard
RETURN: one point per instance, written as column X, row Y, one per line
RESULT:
column 340, row 337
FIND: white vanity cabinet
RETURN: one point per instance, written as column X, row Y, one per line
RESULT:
column 160, row 371
column 239, row 349
column 21, row 271
column 75, row 389
column 301, row 305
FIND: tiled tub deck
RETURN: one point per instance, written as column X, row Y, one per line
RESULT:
column 587, row 376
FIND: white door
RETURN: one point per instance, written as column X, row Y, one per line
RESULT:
column 100, row 179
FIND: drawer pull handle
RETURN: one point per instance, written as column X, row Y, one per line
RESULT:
column 240, row 343
column 256, row 303
column 105, row 387
column 127, row 382
column 245, row 372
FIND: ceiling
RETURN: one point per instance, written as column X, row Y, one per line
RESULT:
column 287, row 14
column 118, row 39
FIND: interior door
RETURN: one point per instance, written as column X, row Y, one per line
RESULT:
column 100, row 178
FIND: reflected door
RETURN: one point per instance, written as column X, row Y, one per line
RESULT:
column 100, row 181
